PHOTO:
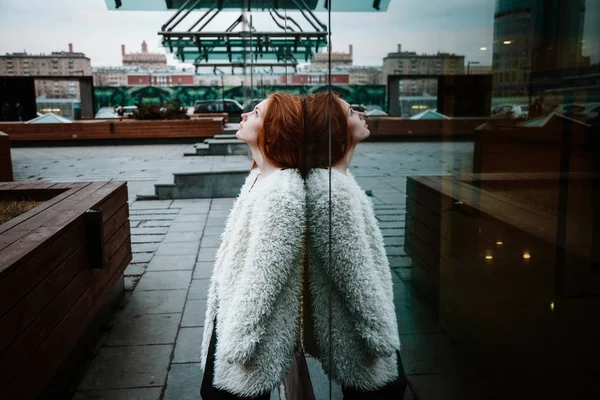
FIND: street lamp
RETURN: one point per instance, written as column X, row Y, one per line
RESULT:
column 215, row 70
column 469, row 66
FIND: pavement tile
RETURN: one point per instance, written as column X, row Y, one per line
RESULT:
column 210, row 241
column 188, row 345
column 127, row 367
column 152, row 217
column 120, row 394
column 142, row 257
column 216, row 222
column 203, row 270
column 135, row 269
column 172, row 262
column 391, row 241
column 150, row 205
column 392, row 232
column 395, row 251
column 140, row 329
column 177, row 248
column 381, row 212
column 399, row 261
column 391, row 224
column 184, row 382
column 191, row 218
column 194, row 313
column 394, row 217
column 146, row 238
column 194, row 210
column 144, row 247
column 165, row 280
column 214, row 226
column 157, row 230
column 161, row 211
column 155, row 223
column 199, row 289
column 155, row 302
column 174, row 237
column 207, row 254
column 186, row 227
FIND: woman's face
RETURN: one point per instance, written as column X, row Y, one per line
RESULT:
column 251, row 123
column 357, row 125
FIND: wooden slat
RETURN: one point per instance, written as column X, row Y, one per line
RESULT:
column 86, row 280
column 28, row 309
column 52, row 352
column 42, row 207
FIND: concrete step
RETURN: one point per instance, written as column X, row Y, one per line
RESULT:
column 202, row 185
column 225, row 136
column 220, row 147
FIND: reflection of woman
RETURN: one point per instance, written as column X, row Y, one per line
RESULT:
column 362, row 335
column 251, row 322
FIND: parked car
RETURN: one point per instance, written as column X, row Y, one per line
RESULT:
column 514, row 111
column 229, row 106
column 590, row 112
column 570, row 109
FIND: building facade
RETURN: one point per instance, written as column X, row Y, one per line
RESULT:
column 534, row 37
column 411, row 63
column 365, row 75
column 160, row 78
column 316, row 78
column 144, row 60
column 338, row 59
column 110, row 76
column 58, row 63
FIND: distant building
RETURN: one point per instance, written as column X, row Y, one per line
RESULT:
column 144, row 59
column 535, row 36
column 365, row 75
column 479, row 69
column 316, row 78
column 167, row 77
column 58, row 63
column 110, row 76
column 411, row 63
column 338, row 59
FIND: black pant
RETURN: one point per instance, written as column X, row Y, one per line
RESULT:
column 393, row 390
column 207, row 390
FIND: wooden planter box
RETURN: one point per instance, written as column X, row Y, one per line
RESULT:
column 6, row 171
column 512, row 276
column 58, row 266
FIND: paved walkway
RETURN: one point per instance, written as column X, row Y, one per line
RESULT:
column 152, row 349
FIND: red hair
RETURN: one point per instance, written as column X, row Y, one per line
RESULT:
column 318, row 109
column 280, row 138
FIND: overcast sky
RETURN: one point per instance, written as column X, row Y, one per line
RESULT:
column 455, row 26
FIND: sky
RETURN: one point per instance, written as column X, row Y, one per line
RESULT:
column 454, row 26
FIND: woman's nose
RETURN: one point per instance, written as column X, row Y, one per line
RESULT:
column 244, row 116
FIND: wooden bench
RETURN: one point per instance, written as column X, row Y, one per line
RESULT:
column 117, row 129
column 49, row 293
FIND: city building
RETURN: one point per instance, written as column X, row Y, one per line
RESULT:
column 532, row 38
column 166, row 77
column 144, row 60
column 57, row 63
column 316, row 78
column 365, row 75
column 338, row 59
column 479, row 69
column 411, row 63
column 110, row 76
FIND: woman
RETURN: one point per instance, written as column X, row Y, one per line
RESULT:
column 251, row 323
column 362, row 335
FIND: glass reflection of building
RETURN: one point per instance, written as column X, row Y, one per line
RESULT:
column 534, row 40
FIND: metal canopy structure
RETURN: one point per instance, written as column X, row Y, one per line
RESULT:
column 241, row 44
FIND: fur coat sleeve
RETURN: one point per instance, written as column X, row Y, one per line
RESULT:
column 353, row 269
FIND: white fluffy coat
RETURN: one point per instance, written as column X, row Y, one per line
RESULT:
column 363, row 319
column 255, row 286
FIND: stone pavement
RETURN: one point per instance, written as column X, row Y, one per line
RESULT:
column 152, row 348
